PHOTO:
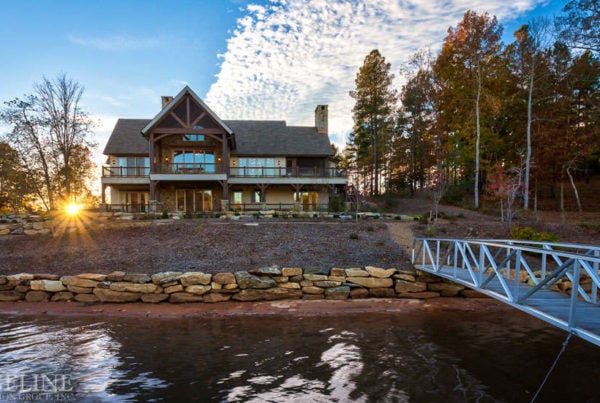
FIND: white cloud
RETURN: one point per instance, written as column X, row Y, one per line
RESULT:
column 286, row 57
column 116, row 42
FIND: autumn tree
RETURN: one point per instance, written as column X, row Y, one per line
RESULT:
column 15, row 190
column 526, row 57
column 580, row 26
column 52, row 137
column 373, row 115
column 417, row 145
column 465, row 69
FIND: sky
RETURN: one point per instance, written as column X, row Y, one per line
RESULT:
column 247, row 59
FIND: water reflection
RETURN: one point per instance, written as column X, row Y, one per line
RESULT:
column 439, row 356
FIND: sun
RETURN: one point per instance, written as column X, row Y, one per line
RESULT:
column 72, row 209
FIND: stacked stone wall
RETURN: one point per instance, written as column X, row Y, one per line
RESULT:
column 265, row 284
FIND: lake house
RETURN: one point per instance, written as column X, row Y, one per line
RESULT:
column 187, row 159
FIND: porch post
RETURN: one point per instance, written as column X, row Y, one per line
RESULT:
column 103, row 193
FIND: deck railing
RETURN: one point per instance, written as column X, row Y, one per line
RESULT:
column 524, row 274
column 219, row 168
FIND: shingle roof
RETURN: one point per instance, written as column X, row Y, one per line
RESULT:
column 127, row 139
column 274, row 138
column 252, row 137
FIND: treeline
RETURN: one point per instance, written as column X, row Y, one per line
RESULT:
column 484, row 118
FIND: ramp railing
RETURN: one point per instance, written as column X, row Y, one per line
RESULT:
column 557, row 282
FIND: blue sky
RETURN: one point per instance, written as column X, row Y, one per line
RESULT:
column 248, row 59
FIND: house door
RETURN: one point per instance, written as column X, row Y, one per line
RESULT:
column 193, row 200
column 309, row 200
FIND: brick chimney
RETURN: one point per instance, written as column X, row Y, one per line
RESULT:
column 321, row 119
column 165, row 100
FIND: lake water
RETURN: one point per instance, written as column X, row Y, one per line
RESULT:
column 443, row 356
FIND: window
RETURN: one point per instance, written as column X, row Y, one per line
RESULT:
column 193, row 137
column 237, row 197
column 193, row 200
column 309, row 200
column 255, row 197
column 134, row 201
column 133, row 166
column 258, row 167
column 193, row 161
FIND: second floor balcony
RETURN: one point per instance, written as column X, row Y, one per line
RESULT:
column 199, row 169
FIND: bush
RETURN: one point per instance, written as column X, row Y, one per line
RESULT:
column 353, row 235
column 528, row 234
column 165, row 214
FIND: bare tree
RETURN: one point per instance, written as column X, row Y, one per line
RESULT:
column 51, row 134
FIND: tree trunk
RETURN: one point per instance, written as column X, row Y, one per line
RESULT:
column 574, row 189
column 478, row 138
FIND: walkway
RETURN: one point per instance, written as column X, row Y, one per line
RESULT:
column 534, row 277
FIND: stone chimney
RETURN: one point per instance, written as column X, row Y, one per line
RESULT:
column 165, row 100
column 321, row 119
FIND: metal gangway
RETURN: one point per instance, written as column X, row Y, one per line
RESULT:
column 555, row 282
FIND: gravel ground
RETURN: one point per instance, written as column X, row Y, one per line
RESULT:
column 205, row 245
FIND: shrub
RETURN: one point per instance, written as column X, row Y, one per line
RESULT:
column 353, row 235
column 165, row 214
column 528, row 234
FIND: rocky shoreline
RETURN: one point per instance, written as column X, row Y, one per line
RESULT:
column 264, row 284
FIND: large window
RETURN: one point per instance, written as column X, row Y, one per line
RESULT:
column 193, row 137
column 258, row 167
column 193, row 200
column 194, row 161
column 134, row 201
column 134, row 166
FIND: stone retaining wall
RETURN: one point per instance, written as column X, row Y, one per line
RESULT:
column 266, row 284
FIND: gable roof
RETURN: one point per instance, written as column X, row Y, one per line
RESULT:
column 274, row 138
column 126, row 138
column 169, row 107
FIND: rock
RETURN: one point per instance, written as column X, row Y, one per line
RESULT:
column 216, row 286
column 382, row 293
column 359, row 293
column 296, row 279
column 233, row 286
column 154, row 298
column 291, row 271
column 30, row 232
column 4, row 231
column 173, row 288
column 281, row 279
column 79, row 290
column 313, row 296
column 198, row 289
column 472, row 294
column 407, row 286
column 92, row 276
column 405, row 277
column 266, row 271
column 341, row 279
column 147, row 288
column 115, row 276
column 294, row 286
column 11, row 296
column 165, row 277
column 22, row 288
column 354, row 272
column 46, row 276
column 315, row 277
column 195, row 278
column 246, row 280
column 337, row 272
column 445, row 289
column 183, row 297
column 43, row 231
column 419, row 295
column 139, row 278
column 328, row 284
column 341, row 292
column 104, row 284
column 10, row 285
column 371, row 282
column 47, row 285
column 426, row 277
column 379, row 272
column 37, row 296
column 78, row 282
column 214, row 297
column 19, row 277
column 306, row 283
column 87, row 298
column 116, row 296
column 317, row 270
column 269, row 294
column 224, row 278
column 313, row 290
column 3, row 280
column 62, row 296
